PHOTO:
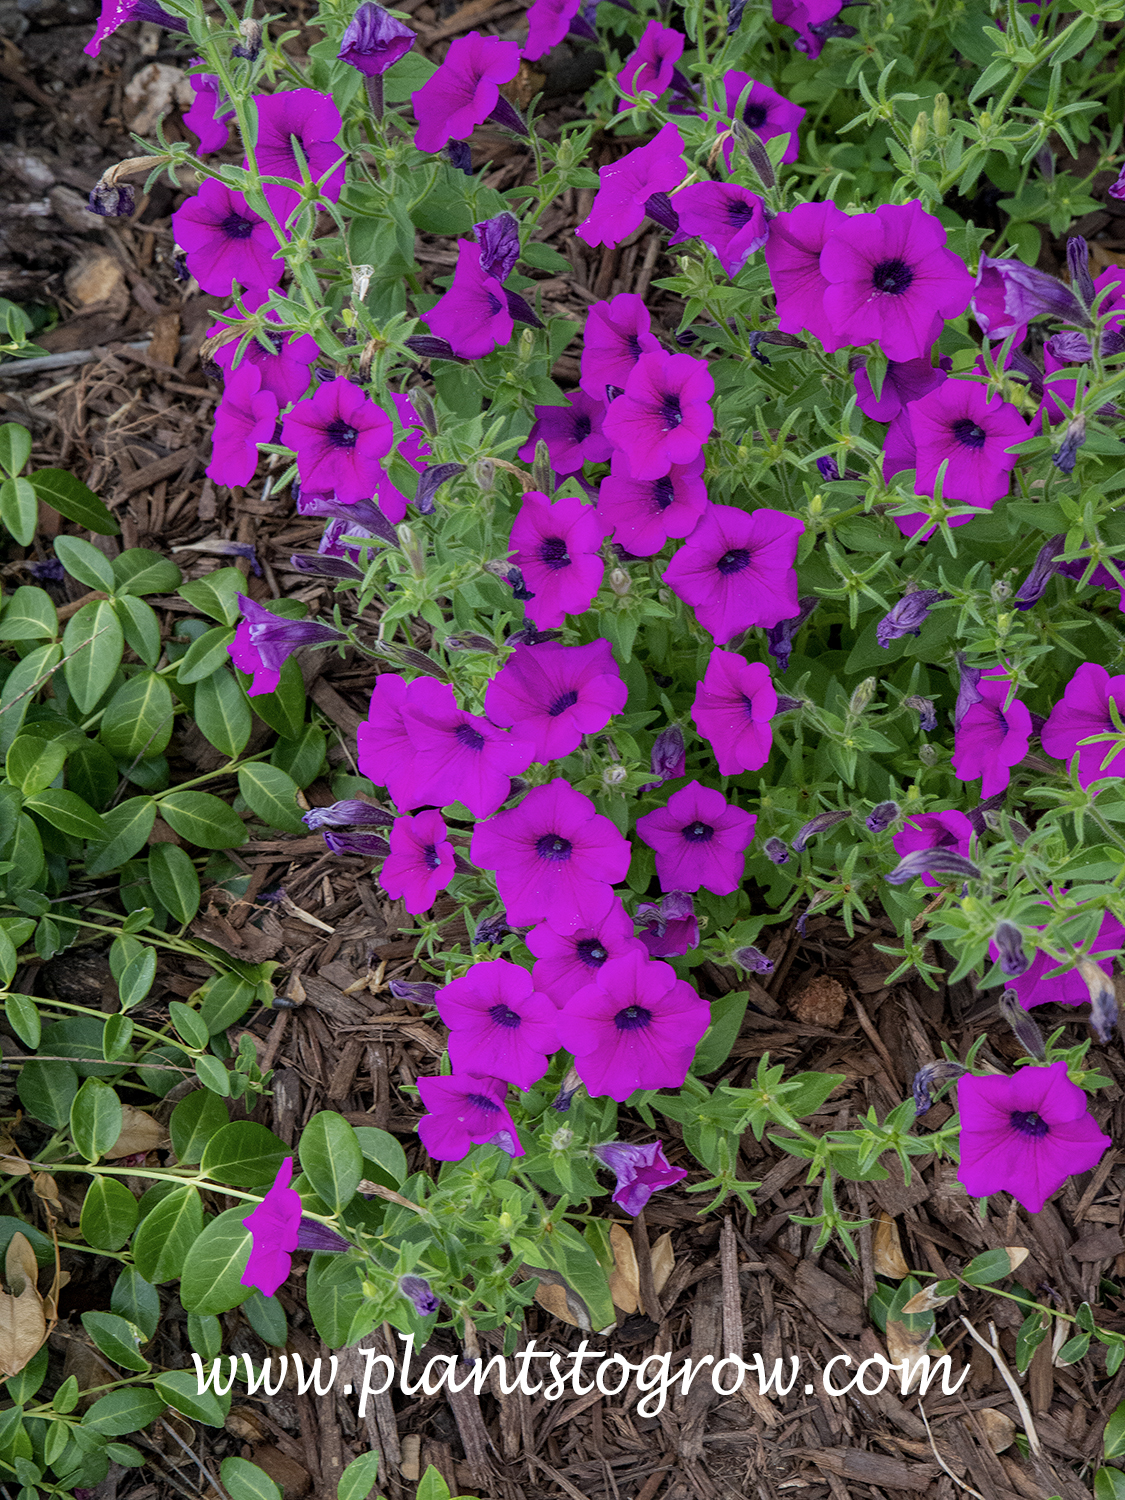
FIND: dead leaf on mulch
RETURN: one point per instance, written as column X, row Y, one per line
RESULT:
column 887, row 1249
column 139, row 1132
column 23, row 1320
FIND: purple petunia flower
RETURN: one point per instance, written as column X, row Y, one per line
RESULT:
column 551, row 695
column 732, row 711
column 555, row 858
column 907, row 617
column 465, row 1109
column 384, row 748
column 300, row 118
column 902, row 383
column 473, row 315
column 498, row 1020
column 700, row 839
column 555, row 547
column 284, row 368
column 1117, row 189
column 392, row 503
column 628, row 184
column 780, row 637
column 1009, row 294
column 1026, row 1134
column 117, row 13
column 225, row 241
column 992, row 737
column 339, row 437
column 880, row 818
column 640, row 1171
column 949, row 830
column 891, row 280
column 566, row 962
column 208, row 113
column 347, row 814
column 644, row 513
column 573, row 434
column 1069, row 988
column 418, row 1291
column 373, row 40
column 456, row 756
column 812, row 20
column 616, row 335
column 729, row 219
column 264, row 641
column 420, row 862
column 664, row 416
column 1084, row 711
column 650, row 67
column 245, row 417
column 548, row 21
column 350, row 841
column 669, row 927
column 669, row 757
column 792, row 253
column 737, row 570
column 635, row 1027
column 273, row 1227
column 464, row 90
column 766, row 112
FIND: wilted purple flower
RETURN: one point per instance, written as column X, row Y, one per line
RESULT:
column 1073, row 438
column 347, row 841
column 1009, row 942
column 932, row 862
column 419, row 992
column 753, row 960
column 669, row 757
column 1078, row 264
column 924, row 708
column 348, row 814
column 1103, row 998
column 777, row 851
column 820, row 824
column 1043, row 569
column 670, row 926
column 968, row 692
column 491, row 929
column 1009, row 294
column 931, row 1077
column 567, row 1089
column 113, row 200
column 641, row 1171
column 907, row 616
column 499, row 241
column 781, row 636
column 373, row 40
column 1117, row 190
column 1026, row 1032
column 880, row 818
column 417, row 1289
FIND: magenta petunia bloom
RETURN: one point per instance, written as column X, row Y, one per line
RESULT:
column 902, row 383
column 498, row 1020
column 413, row 448
column 700, row 839
column 1069, row 988
column 628, row 184
column 891, row 280
column 959, row 422
column 616, row 335
column 664, row 416
column 1009, row 294
column 1084, row 711
column 949, row 829
column 264, row 641
column 555, row 858
column 548, row 21
column 732, row 711
column 729, row 219
column 566, row 962
column 420, row 862
column 339, row 437
column 456, row 756
column 670, row 926
column 208, row 115
column 573, row 434
column 385, row 751
column 555, row 546
column 649, row 69
column 273, row 1227
column 310, row 120
column 473, row 316
column 635, row 1027
column 766, row 112
column 465, row 1109
column 117, row 13
column 373, row 40
column 640, row 1171
column 224, row 241
column 551, row 695
column 792, row 253
column 465, row 89
column 284, row 368
column 644, row 513
column 1025, row 1135
column 992, row 737
column 737, row 570
column 245, row 417
column 812, row 20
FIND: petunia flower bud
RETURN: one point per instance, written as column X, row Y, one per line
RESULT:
column 820, row 824
column 750, row 144
column 620, row 582
column 251, row 43
column 469, row 641
column 967, row 691
column 112, row 201
column 780, row 637
column 669, row 757
column 907, row 616
column 417, row 1289
column 777, row 851
column 312, row 1235
column 346, row 815
column 941, row 116
column 1078, row 264
column 373, row 40
column 348, row 842
column 1026, row 1032
column 432, row 478
column 492, row 929
column 880, row 818
column 930, row 1077
column 541, row 468
column 1009, row 942
column 932, row 862
column 420, row 992
column 1073, row 438
column 924, row 708
column 567, row 1089
column 1103, row 998
column 1043, row 569
column 753, row 960
column 640, row 1171
column 862, row 696
column 499, row 240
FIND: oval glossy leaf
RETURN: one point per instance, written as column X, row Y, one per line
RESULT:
column 381, row 1148
column 122, row 1412
column 166, row 1234
column 266, row 1317
column 109, row 1213
column 226, row 1000
column 137, row 723
column 137, row 1300
column 203, row 820
column 22, row 1015
column 72, row 499
column 93, row 643
column 129, row 824
column 141, row 627
column 117, row 1340
column 33, row 763
column 141, row 571
column 67, row 812
column 212, row 1279
column 331, row 1158
column 194, row 1121
column 180, row 1389
column 243, row 1480
column 174, row 880
column 203, row 656
column 245, row 1155
column 46, row 1090
column 83, row 561
column 137, row 977
column 272, row 796
column 25, row 679
column 359, row 1478
column 222, row 713
column 29, row 615
column 19, row 509
column 95, row 1118
column 15, row 448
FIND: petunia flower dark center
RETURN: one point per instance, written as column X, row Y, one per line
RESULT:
column 739, row 212
column 733, row 561
column 553, row 848
column 969, row 433
column 590, row 952
column 482, row 1101
column 563, row 702
column 893, row 276
column 341, row 434
column 633, row 1018
column 582, row 427
column 235, row 227
column 470, row 738
column 494, row 304
column 748, row 705
column 504, row 1015
column 552, row 551
column 755, row 115
column 671, row 410
column 698, row 832
column 663, row 493
column 634, row 343
column 430, row 857
column 1027, row 1122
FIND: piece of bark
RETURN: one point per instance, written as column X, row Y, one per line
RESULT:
column 706, row 1339
column 832, row 1304
column 862, row 1467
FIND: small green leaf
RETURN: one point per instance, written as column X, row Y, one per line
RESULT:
column 359, row 1478
column 203, row 819
column 194, row 1121
column 22, row 1015
column 222, row 713
column 29, row 615
column 331, row 1158
column 243, row 1480
column 203, row 656
column 166, row 1235
column 174, row 880
column 19, row 509
column 93, row 644
column 95, row 1118
column 72, row 499
column 272, row 796
column 117, row 1339
column 15, row 448
column 138, row 720
column 140, row 571
column 187, row 1023
column 67, row 812
column 109, row 1214
column 83, row 561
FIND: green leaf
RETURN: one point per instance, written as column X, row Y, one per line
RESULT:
column 91, row 773
column 203, row 819
column 93, row 643
column 29, row 615
column 432, row 1486
column 32, row 763
column 726, row 1019
column 124, row 1454
column 331, row 1158
column 125, row 1411
column 1114, row 1437
column 247, row 1155
column 15, row 448
column 222, row 713
column 212, row 1279
column 32, row 673
column 272, row 796
column 301, row 758
column 141, row 627
column 166, row 1235
column 83, row 561
column 67, row 812
column 72, row 499
column 129, row 825
column 46, row 1090
column 380, row 1148
column 117, row 1339
column 137, row 977
column 187, row 1023
column 266, row 1317
column 109, row 1213
column 205, row 1335
column 136, row 1299
column 140, row 571
column 205, row 655
column 1109, row 1484
column 19, row 509
column 22, row 1015
column 95, row 1118
column 243, row 1480
column 138, row 720
column 211, row 1072
column 216, row 595
column 984, row 1269
column 359, row 1478
column 335, row 1296
column 226, row 999
column 180, row 1389
column 194, row 1121
column 116, row 1037
column 174, row 879
column 284, row 709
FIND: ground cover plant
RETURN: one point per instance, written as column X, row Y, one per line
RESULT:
column 799, row 608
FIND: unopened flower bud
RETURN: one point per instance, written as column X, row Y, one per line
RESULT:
column 1103, row 998
column 777, row 851
column 469, row 641
column 562, row 1138
column 418, row 1290
column 919, row 133
column 932, row 862
column 412, row 550
column 941, row 116
column 425, row 409
column 924, row 708
column 753, row 960
column 862, row 695
column 491, row 929
column 880, row 818
column 1026, row 1032
column 931, row 1077
column 620, row 582
column 567, row 1089
column 541, row 468
column 614, row 775
column 928, row 755
column 1078, row 263
column 1073, row 438
column 485, row 474
column 420, row 992
column 820, row 824
column 251, row 44
column 750, row 143
column 669, row 757
column 1009, row 943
